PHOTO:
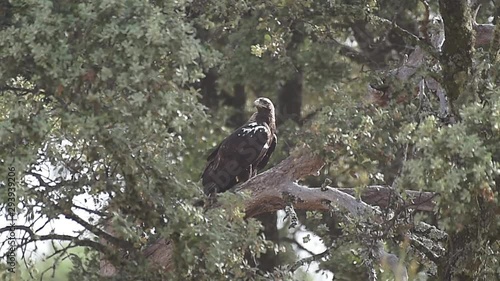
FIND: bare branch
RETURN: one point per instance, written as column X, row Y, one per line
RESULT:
column 75, row 240
column 458, row 50
column 309, row 260
column 484, row 34
column 277, row 187
column 95, row 230
column 414, row 40
column 381, row 195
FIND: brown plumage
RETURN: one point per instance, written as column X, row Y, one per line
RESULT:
column 239, row 156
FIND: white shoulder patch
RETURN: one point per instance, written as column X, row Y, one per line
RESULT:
column 251, row 129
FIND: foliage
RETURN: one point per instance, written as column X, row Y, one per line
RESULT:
column 102, row 118
column 104, row 111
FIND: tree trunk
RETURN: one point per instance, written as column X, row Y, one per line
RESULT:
column 456, row 60
column 458, row 50
column 269, row 261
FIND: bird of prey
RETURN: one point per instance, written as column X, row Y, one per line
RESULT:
column 240, row 155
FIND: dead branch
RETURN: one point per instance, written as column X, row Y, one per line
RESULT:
column 382, row 195
column 274, row 192
column 278, row 187
column 484, row 34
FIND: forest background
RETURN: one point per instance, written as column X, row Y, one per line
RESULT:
column 388, row 117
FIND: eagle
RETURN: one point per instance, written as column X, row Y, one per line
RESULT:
column 240, row 155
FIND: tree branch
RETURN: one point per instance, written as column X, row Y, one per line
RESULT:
column 484, row 34
column 414, row 40
column 381, row 196
column 277, row 187
column 77, row 241
column 310, row 259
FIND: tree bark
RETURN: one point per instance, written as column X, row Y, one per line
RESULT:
column 276, row 188
column 268, row 261
column 458, row 51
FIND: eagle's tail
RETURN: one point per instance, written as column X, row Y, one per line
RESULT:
column 207, row 179
column 210, row 188
column 217, row 180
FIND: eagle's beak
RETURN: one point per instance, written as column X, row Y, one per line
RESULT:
column 256, row 102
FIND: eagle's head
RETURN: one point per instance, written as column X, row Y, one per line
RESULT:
column 264, row 103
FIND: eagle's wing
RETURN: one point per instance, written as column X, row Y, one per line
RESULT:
column 213, row 153
column 251, row 142
column 236, row 157
column 269, row 151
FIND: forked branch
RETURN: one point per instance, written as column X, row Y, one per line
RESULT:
column 278, row 187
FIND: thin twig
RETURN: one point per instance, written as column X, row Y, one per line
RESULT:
column 310, row 259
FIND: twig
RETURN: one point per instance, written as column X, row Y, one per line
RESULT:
column 296, row 243
column 310, row 259
column 274, row 190
column 290, row 212
column 50, row 237
column 409, row 36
